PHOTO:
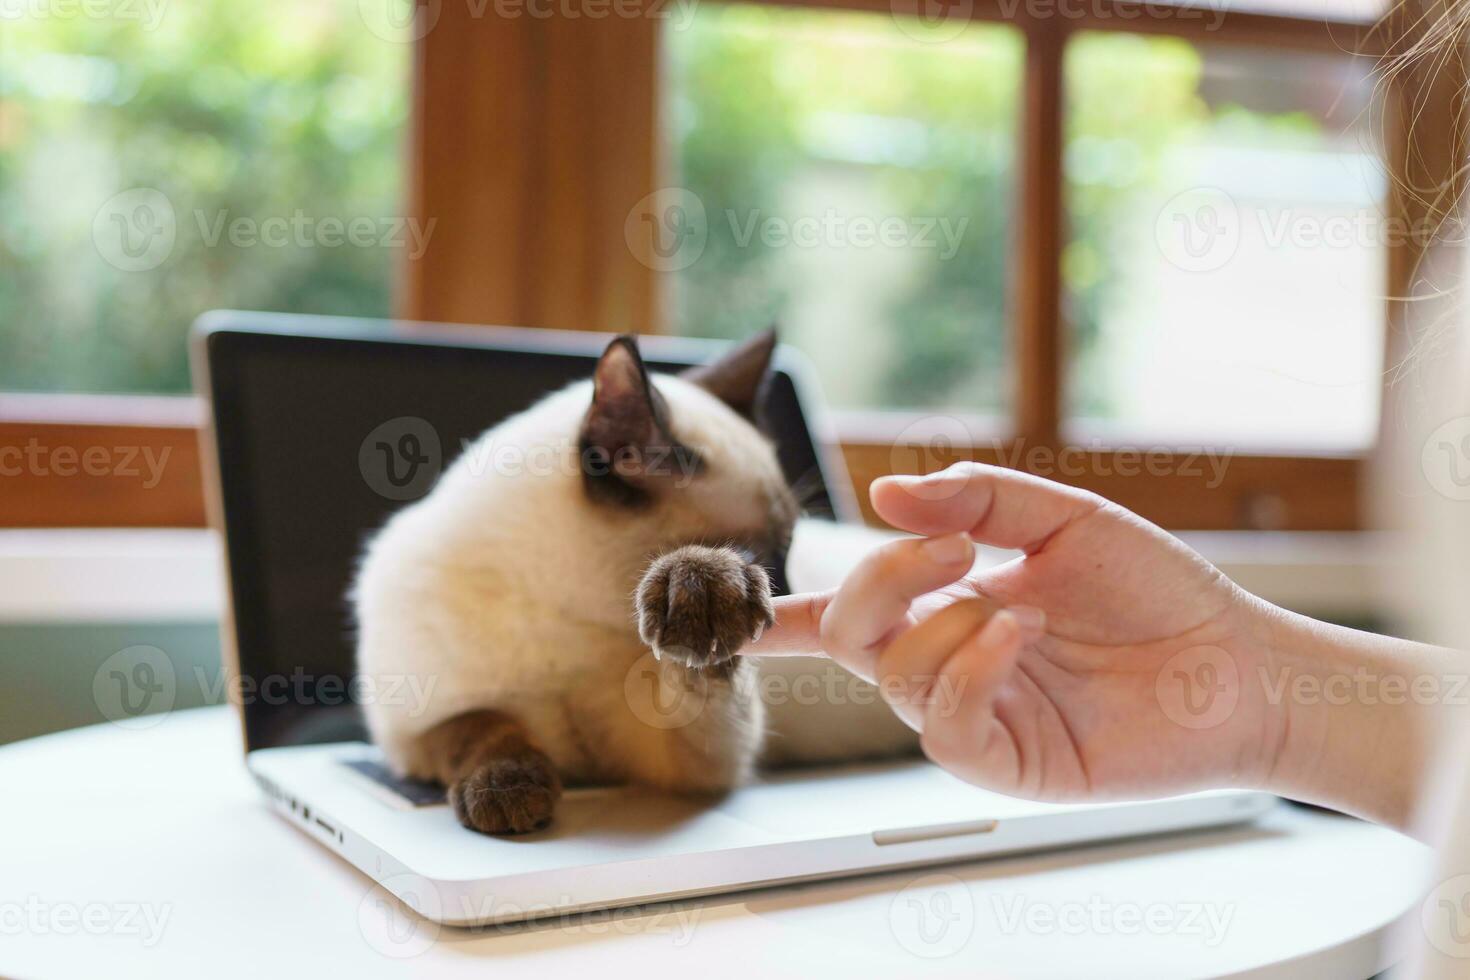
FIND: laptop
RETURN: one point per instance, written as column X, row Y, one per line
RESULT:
column 320, row 429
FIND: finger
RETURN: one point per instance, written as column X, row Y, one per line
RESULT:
column 961, row 707
column 797, row 630
column 873, row 603
column 907, row 668
column 995, row 505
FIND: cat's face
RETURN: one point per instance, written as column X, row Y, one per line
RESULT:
column 683, row 454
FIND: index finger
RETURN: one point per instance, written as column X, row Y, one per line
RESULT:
column 798, row 627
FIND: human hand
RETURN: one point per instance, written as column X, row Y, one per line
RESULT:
column 1106, row 661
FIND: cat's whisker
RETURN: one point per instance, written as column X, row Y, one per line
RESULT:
column 809, row 488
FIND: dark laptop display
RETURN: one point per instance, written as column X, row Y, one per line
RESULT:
column 324, row 428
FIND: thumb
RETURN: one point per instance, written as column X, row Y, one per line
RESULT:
column 995, row 505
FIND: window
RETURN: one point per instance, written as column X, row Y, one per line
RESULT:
column 1226, row 274
column 856, row 183
column 161, row 159
column 1180, row 235
column 561, row 156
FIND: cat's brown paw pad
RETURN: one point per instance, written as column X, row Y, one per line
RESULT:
column 515, row 795
column 700, row 605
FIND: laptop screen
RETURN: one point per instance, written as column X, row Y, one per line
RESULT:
column 322, row 436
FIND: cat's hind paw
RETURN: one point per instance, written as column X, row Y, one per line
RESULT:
column 700, row 605
column 512, row 795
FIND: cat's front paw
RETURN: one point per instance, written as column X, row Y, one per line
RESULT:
column 700, row 605
column 512, row 795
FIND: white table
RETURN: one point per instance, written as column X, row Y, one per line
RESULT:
column 148, row 853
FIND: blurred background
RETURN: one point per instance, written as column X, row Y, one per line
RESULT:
column 770, row 116
column 1161, row 251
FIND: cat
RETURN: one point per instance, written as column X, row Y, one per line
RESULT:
column 563, row 607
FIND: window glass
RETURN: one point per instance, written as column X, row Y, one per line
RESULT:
column 1226, row 271
column 851, row 179
column 161, row 158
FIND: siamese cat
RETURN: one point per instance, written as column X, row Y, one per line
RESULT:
column 578, row 585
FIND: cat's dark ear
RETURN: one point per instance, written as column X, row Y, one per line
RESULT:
column 625, row 440
column 625, row 411
column 739, row 377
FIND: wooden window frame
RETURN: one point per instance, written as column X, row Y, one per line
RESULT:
column 143, row 470
column 532, row 138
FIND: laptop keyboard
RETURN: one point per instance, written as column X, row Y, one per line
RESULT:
column 415, row 791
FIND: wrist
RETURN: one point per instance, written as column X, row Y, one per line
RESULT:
column 1353, row 714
